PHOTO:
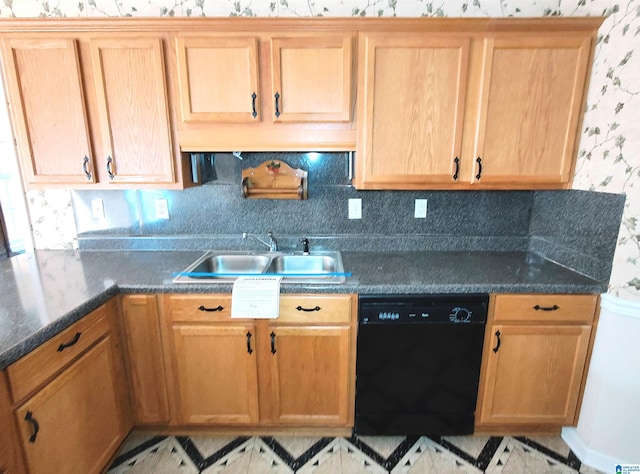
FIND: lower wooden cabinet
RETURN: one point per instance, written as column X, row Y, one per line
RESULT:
column 144, row 352
column 75, row 421
column 216, row 373
column 297, row 370
column 535, row 357
column 10, row 456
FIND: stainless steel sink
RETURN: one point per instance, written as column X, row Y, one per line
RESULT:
column 302, row 264
column 320, row 267
column 230, row 264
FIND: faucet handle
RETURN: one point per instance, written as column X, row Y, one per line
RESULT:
column 305, row 245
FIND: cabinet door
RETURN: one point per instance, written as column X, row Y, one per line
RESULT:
column 534, row 376
column 72, row 425
column 132, row 104
column 532, row 96
column 310, row 374
column 218, row 78
column 410, row 109
column 312, row 78
column 217, row 374
column 45, row 90
column 145, row 359
column 10, row 458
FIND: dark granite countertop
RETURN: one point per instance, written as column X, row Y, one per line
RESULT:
column 47, row 291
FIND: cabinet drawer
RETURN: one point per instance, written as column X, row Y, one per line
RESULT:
column 200, row 308
column 39, row 365
column 315, row 309
column 545, row 308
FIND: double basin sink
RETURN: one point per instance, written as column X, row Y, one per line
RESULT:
column 320, row 267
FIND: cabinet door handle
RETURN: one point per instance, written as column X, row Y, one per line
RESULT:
column 308, row 310
column 479, row 161
column 249, row 350
column 72, row 342
column 277, row 97
column 555, row 307
column 85, row 167
column 34, row 424
column 254, row 112
column 456, row 161
column 110, row 167
column 273, row 342
column 495, row 349
column 204, row 308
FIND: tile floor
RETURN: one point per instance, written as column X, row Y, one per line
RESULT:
column 147, row 453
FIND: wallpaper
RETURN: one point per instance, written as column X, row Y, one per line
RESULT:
column 609, row 154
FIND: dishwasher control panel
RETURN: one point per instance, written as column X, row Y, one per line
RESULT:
column 423, row 309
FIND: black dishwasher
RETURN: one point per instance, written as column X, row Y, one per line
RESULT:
column 418, row 363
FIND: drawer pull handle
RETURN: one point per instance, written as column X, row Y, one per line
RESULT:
column 204, row 308
column 479, row 161
column 555, row 307
column 34, row 423
column 455, row 173
column 73, row 341
column 308, row 310
column 495, row 349
column 273, row 342
column 277, row 97
column 110, row 168
column 254, row 112
column 85, row 167
column 249, row 350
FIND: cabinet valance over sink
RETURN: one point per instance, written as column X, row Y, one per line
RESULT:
column 426, row 103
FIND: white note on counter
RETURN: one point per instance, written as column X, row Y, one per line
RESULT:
column 256, row 297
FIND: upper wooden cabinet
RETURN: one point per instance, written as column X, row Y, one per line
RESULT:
column 265, row 91
column 91, row 110
column 478, row 110
column 411, row 107
column 46, row 93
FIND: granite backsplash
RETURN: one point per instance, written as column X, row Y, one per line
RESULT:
column 577, row 229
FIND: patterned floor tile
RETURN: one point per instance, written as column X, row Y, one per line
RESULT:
column 144, row 453
column 163, row 458
column 514, row 456
column 428, row 456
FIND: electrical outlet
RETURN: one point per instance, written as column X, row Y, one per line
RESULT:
column 97, row 209
column 355, row 208
column 421, row 209
column 162, row 208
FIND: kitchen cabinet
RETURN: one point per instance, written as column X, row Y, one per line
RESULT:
column 100, row 115
column 534, row 361
column 296, row 370
column 471, row 110
column 10, row 456
column 75, row 421
column 143, row 347
column 288, row 91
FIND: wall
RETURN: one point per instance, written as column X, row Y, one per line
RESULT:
column 609, row 155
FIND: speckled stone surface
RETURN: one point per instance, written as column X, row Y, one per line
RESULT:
column 45, row 292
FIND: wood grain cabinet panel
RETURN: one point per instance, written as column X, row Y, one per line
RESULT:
column 312, row 78
column 532, row 96
column 133, row 109
column 141, row 329
column 535, row 374
column 46, row 94
column 310, row 374
column 10, row 455
column 411, row 107
column 218, row 78
column 217, row 373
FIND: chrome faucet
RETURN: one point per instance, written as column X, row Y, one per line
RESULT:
column 272, row 244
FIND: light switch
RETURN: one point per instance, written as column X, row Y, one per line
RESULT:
column 355, row 208
column 162, row 208
column 421, row 209
column 97, row 208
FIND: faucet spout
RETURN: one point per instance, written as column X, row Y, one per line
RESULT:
column 272, row 244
